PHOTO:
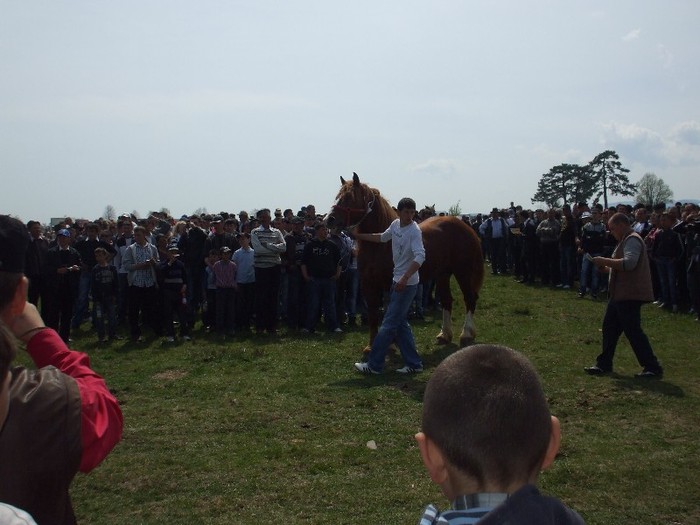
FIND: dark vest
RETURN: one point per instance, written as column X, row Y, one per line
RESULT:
column 40, row 447
column 632, row 285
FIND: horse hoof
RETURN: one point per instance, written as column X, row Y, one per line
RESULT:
column 442, row 340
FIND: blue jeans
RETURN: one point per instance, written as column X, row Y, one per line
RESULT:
column 589, row 269
column 395, row 327
column 321, row 291
column 666, row 266
column 567, row 264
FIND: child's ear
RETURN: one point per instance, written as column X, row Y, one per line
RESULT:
column 433, row 458
column 553, row 447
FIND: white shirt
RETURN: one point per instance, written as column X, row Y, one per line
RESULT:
column 406, row 247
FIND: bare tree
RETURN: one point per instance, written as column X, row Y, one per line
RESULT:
column 652, row 190
column 110, row 213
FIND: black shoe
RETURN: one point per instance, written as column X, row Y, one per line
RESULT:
column 595, row 370
column 649, row 374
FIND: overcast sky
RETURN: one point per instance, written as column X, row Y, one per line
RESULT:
column 230, row 105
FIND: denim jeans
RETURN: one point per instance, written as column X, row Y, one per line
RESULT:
column 106, row 313
column 567, row 264
column 588, row 269
column 321, row 292
column 395, row 327
column 666, row 266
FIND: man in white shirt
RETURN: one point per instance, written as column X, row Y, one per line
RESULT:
column 409, row 254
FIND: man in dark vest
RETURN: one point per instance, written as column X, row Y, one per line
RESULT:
column 61, row 417
column 629, row 288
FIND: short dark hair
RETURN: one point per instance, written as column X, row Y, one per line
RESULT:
column 8, row 349
column 485, row 409
column 406, row 202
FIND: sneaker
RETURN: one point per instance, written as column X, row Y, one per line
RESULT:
column 186, row 338
column 595, row 370
column 661, row 305
column 305, row 331
column 649, row 374
column 594, row 296
column 364, row 368
column 409, row 370
column 559, row 286
column 581, row 295
column 338, row 330
column 170, row 339
column 566, row 287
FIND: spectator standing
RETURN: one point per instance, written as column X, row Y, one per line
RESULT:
column 548, row 233
column 268, row 245
column 667, row 251
column 225, row 275
column 321, row 268
column 567, row 248
column 173, row 289
column 35, row 264
column 592, row 245
column 63, row 265
column 105, row 288
column 244, row 257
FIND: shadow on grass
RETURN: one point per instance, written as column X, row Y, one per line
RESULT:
column 650, row 385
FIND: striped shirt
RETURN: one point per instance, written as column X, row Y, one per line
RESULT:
column 225, row 274
column 268, row 244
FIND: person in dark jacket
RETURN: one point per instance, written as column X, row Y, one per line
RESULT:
column 487, row 450
column 63, row 267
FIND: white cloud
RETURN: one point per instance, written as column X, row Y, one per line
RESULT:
column 632, row 35
column 445, row 168
column 687, row 133
column 665, row 56
column 680, row 147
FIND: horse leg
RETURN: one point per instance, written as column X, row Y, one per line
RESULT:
column 374, row 301
column 468, row 334
column 442, row 290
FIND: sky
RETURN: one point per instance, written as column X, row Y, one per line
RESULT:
column 228, row 105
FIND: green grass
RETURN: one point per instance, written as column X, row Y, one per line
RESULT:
column 266, row 430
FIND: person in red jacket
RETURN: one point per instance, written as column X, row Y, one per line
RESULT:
column 60, row 418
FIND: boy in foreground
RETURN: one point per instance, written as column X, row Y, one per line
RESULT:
column 487, row 433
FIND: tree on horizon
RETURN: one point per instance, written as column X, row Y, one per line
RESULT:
column 610, row 176
column 652, row 190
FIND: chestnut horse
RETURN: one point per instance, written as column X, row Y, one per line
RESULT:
column 451, row 248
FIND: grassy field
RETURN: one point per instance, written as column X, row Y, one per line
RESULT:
column 275, row 429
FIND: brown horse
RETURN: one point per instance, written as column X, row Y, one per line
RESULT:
column 451, row 248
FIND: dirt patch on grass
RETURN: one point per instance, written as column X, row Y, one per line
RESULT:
column 170, row 375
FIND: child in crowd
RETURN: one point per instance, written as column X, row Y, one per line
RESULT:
column 209, row 316
column 173, row 289
column 225, row 274
column 105, row 288
column 245, row 279
column 487, row 433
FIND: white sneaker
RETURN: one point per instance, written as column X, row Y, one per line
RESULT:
column 409, row 370
column 186, row 338
column 169, row 339
column 338, row 330
column 364, row 368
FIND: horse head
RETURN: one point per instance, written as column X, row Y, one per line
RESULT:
column 352, row 204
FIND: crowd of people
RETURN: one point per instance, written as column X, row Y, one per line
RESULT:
column 557, row 248
column 238, row 272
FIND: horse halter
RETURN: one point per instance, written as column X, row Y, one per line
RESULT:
column 347, row 211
